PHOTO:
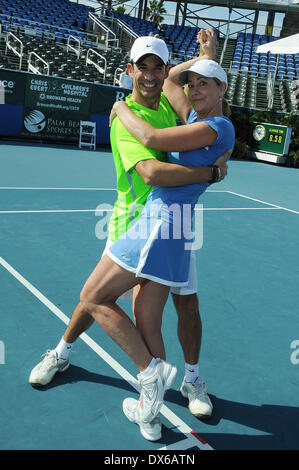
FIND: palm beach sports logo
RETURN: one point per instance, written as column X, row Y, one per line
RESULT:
column 35, row 121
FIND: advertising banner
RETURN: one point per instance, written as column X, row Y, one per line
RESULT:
column 104, row 97
column 12, row 87
column 45, row 108
column 53, row 107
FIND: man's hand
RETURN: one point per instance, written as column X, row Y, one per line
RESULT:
column 222, row 164
column 208, row 43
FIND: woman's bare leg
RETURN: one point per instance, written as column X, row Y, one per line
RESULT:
column 105, row 284
column 149, row 301
column 99, row 294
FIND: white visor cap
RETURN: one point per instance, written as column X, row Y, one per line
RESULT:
column 149, row 45
column 206, row 68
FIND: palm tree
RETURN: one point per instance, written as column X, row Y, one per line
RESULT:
column 120, row 9
column 155, row 11
column 109, row 3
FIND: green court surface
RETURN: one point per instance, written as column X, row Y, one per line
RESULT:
column 248, row 277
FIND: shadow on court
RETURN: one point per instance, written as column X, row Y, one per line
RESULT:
column 281, row 423
column 76, row 374
column 277, row 426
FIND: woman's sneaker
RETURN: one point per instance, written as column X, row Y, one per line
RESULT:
column 153, row 389
column 199, row 402
column 44, row 371
column 150, row 431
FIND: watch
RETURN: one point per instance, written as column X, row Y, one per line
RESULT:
column 259, row 132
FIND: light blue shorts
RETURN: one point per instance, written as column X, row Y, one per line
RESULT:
column 190, row 288
column 155, row 248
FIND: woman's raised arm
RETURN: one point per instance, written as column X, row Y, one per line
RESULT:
column 172, row 87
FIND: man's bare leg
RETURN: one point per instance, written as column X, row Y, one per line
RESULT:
column 189, row 326
column 56, row 360
column 80, row 321
column 190, row 334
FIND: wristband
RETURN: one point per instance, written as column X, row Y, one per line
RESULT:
column 216, row 174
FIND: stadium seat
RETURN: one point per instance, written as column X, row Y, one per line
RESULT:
column 51, row 21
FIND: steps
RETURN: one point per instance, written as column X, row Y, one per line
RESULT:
column 229, row 53
column 261, row 94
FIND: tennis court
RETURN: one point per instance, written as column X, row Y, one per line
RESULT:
column 248, row 275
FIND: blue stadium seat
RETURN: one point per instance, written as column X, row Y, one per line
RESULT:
column 39, row 13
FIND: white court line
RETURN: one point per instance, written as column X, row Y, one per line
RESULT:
column 51, row 211
column 264, row 202
column 193, row 439
column 114, row 189
column 110, row 210
column 56, row 189
column 236, row 208
column 32, row 188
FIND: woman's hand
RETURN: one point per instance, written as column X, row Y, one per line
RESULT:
column 208, row 43
column 221, row 162
column 115, row 108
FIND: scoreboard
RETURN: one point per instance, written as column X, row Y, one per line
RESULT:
column 270, row 138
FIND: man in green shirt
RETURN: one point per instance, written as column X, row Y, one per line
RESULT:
column 132, row 189
column 138, row 168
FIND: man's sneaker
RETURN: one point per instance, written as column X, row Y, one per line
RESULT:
column 150, row 431
column 44, row 371
column 153, row 389
column 199, row 402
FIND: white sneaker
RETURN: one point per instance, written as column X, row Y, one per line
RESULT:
column 153, row 389
column 199, row 402
column 150, row 431
column 44, row 371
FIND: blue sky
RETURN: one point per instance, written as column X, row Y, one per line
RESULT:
column 216, row 12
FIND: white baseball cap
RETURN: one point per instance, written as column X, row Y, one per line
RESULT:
column 206, row 68
column 149, row 45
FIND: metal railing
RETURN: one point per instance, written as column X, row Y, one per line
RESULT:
column 35, row 68
column 124, row 30
column 117, row 74
column 225, row 41
column 11, row 43
column 72, row 47
column 109, row 36
column 96, row 64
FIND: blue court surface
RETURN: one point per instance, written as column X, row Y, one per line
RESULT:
column 248, row 285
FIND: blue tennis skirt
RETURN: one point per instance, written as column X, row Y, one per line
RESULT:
column 157, row 246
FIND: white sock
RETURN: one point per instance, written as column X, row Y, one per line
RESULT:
column 63, row 349
column 150, row 369
column 191, row 372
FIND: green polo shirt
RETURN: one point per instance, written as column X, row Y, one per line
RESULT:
column 127, row 152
